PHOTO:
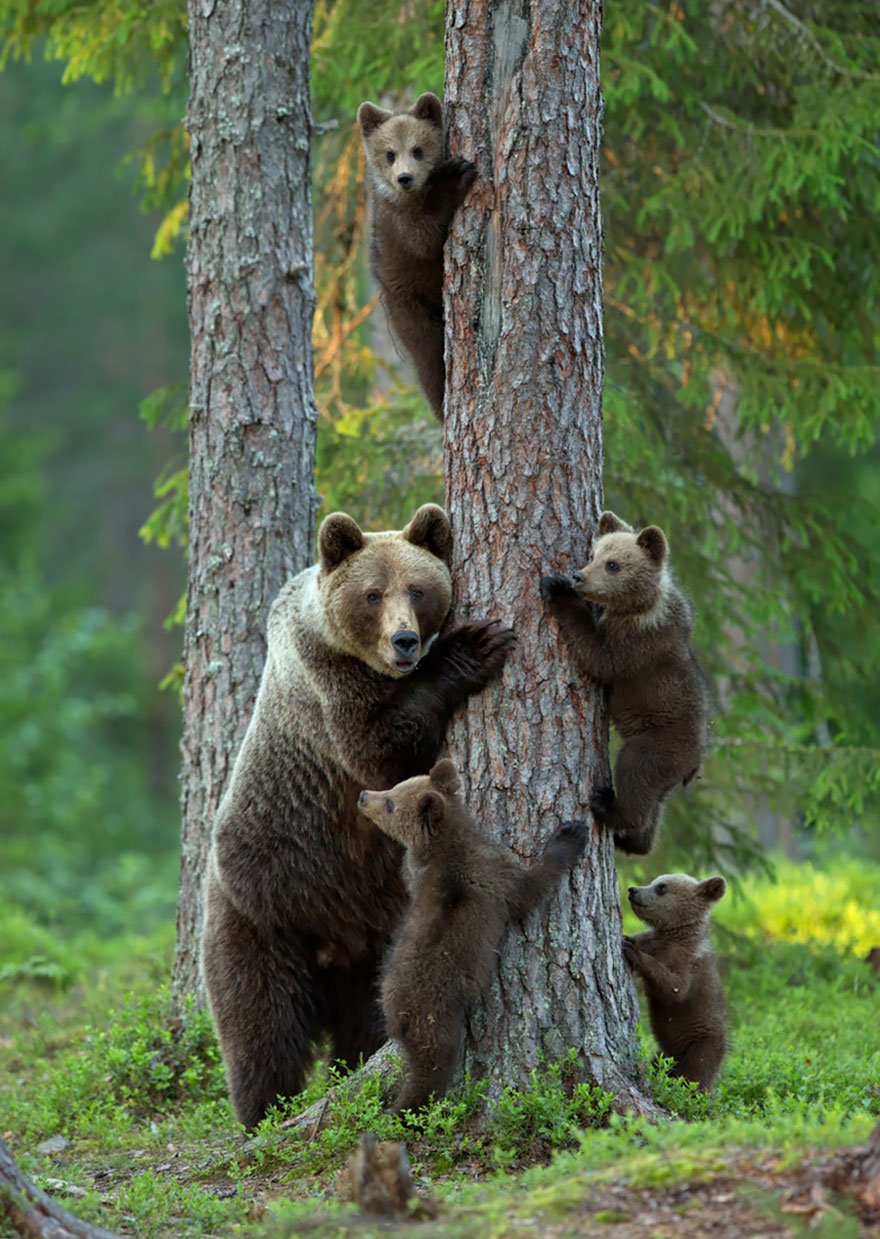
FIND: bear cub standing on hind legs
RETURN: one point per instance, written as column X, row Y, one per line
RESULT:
column 629, row 627
column 415, row 191
column 465, row 890
column 676, row 962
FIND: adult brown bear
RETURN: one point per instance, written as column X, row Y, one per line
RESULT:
column 303, row 892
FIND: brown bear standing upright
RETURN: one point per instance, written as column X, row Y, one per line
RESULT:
column 303, row 892
column 465, row 890
column 414, row 191
column 636, row 641
column 676, row 962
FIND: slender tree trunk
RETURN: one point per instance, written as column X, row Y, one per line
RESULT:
column 252, row 412
column 31, row 1212
column 524, row 487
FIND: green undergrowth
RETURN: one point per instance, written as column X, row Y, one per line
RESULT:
column 89, row 1053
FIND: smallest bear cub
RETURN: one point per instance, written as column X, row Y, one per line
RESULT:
column 465, row 890
column 677, row 965
column 415, row 191
column 629, row 627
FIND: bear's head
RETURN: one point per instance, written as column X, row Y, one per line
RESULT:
column 415, row 812
column 385, row 595
column 628, row 572
column 402, row 148
column 675, row 900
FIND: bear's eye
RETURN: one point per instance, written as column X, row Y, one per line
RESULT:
column 416, row 595
column 612, row 566
column 660, row 888
column 390, row 156
column 417, row 152
column 389, row 806
column 374, row 597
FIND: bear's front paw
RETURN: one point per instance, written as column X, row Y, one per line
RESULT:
column 462, row 170
column 629, row 950
column 602, row 801
column 557, row 585
column 567, row 844
column 476, row 652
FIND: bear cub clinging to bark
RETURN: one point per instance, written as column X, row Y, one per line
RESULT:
column 465, row 890
column 629, row 627
column 676, row 962
column 414, row 193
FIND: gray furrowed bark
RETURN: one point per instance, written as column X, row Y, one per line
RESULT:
column 523, row 441
column 252, row 410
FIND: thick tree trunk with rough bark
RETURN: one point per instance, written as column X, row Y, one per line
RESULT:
column 524, row 362
column 252, row 412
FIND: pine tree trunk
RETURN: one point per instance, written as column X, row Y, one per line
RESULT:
column 524, row 486
column 252, row 412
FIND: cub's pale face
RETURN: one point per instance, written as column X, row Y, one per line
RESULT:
column 675, row 899
column 619, row 570
column 399, row 812
column 402, row 153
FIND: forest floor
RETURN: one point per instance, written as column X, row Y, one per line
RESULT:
column 120, row 1113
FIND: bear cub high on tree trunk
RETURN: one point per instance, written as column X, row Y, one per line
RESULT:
column 414, row 192
column 676, row 962
column 629, row 627
column 465, row 890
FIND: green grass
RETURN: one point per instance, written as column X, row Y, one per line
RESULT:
column 88, row 1051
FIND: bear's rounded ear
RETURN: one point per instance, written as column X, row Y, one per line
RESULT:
column 653, row 543
column 712, row 889
column 338, row 537
column 609, row 523
column 431, row 810
column 444, row 776
column 428, row 107
column 370, row 117
column 430, row 528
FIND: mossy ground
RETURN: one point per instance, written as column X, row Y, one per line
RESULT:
column 88, row 1053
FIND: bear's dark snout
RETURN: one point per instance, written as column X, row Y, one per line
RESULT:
column 405, row 180
column 406, row 642
column 577, row 578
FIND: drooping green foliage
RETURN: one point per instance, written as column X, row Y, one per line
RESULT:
column 740, row 186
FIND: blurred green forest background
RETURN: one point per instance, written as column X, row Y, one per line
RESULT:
column 741, row 186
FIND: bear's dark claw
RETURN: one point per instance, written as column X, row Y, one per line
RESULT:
column 555, row 586
column 568, row 842
column 602, row 801
column 629, row 949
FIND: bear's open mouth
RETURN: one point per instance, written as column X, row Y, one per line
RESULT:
column 404, row 664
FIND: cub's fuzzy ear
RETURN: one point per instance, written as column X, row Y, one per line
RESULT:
column 444, row 776
column 430, row 528
column 338, row 538
column 609, row 523
column 653, row 543
column 428, row 107
column 712, row 889
column 370, row 117
column 431, row 810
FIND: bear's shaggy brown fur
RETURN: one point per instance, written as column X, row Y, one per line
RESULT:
column 676, row 962
column 629, row 627
column 303, row 892
column 414, row 193
column 465, row 890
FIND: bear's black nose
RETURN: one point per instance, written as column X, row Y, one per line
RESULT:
column 405, row 179
column 362, row 797
column 630, row 890
column 406, row 642
column 577, row 578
